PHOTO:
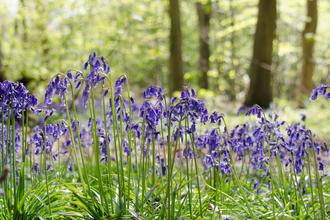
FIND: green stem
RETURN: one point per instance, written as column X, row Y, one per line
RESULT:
column 114, row 126
column 136, row 160
column 197, row 172
column 171, row 166
column 73, row 144
column 310, row 183
column 318, row 180
column 295, row 192
column 130, row 168
column 142, row 156
column 104, row 201
column 120, row 135
column 108, row 150
column 240, row 187
column 153, row 160
column 14, row 155
column 270, row 163
column 187, row 163
column 2, row 138
column 79, row 142
column 59, row 157
column 5, row 189
column 46, row 173
column 160, row 169
column 299, row 190
column 8, row 154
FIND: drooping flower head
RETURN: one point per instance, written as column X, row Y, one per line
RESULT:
column 320, row 91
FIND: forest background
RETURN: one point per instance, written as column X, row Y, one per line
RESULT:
column 210, row 45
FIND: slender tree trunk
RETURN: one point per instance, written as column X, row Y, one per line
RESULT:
column 204, row 14
column 308, row 48
column 176, row 66
column 276, row 76
column 260, row 91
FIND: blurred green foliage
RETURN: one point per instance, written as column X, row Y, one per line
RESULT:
column 40, row 38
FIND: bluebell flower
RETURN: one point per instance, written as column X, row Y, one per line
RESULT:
column 241, row 109
column 256, row 183
column 321, row 164
column 254, row 111
column 36, row 168
column 303, row 117
column 120, row 81
column 189, row 152
column 216, row 118
column 225, row 167
column 55, row 156
column 70, row 168
column 48, row 113
column 208, row 161
column 320, row 91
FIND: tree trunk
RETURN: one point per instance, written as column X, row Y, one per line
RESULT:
column 176, row 66
column 308, row 47
column 260, row 91
column 204, row 14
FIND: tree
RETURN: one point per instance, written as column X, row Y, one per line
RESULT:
column 176, row 66
column 260, row 72
column 308, row 47
column 204, row 15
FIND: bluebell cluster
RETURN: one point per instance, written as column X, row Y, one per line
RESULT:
column 14, row 103
column 15, row 95
column 244, row 140
column 161, row 122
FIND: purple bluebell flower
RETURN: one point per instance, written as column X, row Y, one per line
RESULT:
column 188, row 152
column 48, row 113
column 256, row 183
column 216, row 117
column 241, row 110
column 303, row 117
column 320, row 91
column 105, row 93
column 253, row 111
column 36, row 168
column 321, row 164
column 120, row 81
